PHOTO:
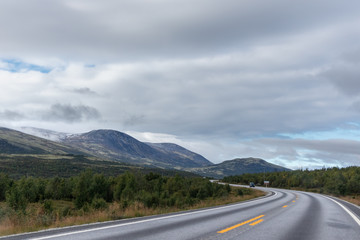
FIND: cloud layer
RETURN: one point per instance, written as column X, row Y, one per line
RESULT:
column 226, row 79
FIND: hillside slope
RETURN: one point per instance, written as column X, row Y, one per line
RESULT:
column 15, row 142
column 119, row 146
column 171, row 148
column 238, row 166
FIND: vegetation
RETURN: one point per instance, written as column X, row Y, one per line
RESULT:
column 335, row 181
column 30, row 203
column 68, row 165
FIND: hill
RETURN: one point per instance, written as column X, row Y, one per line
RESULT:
column 119, row 146
column 15, row 142
column 238, row 166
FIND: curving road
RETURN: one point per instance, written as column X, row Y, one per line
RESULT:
column 282, row 215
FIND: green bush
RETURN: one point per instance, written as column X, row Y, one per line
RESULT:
column 99, row 203
column 48, row 206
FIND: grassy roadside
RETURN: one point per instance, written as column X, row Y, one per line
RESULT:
column 60, row 213
column 353, row 199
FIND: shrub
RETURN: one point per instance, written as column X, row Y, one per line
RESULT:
column 48, row 206
column 99, row 203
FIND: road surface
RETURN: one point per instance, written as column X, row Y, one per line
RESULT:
column 282, row 215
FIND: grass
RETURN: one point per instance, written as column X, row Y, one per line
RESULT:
column 63, row 213
column 353, row 199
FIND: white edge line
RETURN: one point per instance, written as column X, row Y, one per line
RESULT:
column 357, row 220
column 143, row 221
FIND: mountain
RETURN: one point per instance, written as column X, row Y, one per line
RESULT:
column 238, row 166
column 109, row 150
column 15, row 142
column 171, row 148
column 114, row 145
column 23, row 154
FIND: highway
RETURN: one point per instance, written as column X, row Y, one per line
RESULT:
column 282, row 215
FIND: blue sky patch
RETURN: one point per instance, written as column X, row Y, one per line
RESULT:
column 13, row 65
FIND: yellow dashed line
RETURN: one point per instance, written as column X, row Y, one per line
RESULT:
column 243, row 223
column 254, row 223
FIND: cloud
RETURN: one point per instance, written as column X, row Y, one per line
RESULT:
column 71, row 114
column 210, row 96
column 9, row 115
column 346, row 77
column 228, row 79
column 84, row 90
column 132, row 30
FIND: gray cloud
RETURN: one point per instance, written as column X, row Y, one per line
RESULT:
column 84, row 90
column 346, row 77
column 204, row 98
column 84, row 30
column 71, row 114
column 11, row 115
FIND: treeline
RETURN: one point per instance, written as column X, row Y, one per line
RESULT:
column 95, row 191
column 338, row 181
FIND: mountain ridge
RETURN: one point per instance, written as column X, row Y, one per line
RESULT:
column 111, row 145
column 122, row 147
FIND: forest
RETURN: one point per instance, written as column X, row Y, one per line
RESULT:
column 335, row 181
column 30, row 203
column 95, row 190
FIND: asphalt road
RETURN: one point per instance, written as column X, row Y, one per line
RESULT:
column 283, row 215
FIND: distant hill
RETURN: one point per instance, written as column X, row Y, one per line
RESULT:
column 237, row 167
column 119, row 146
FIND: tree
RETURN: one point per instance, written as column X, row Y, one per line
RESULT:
column 16, row 199
column 5, row 183
column 82, row 189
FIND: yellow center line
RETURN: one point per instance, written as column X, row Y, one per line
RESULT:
column 285, row 206
column 254, row 223
column 240, row 224
column 293, row 201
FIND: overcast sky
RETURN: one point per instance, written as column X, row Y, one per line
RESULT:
column 276, row 79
